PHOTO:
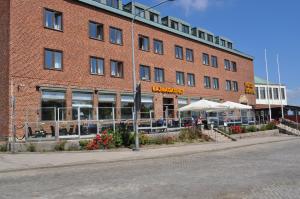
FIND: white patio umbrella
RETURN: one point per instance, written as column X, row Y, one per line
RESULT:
column 236, row 106
column 204, row 105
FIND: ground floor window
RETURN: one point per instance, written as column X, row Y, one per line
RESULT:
column 84, row 101
column 51, row 102
column 181, row 103
column 126, row 106
column 106, row 105
column 147, row 107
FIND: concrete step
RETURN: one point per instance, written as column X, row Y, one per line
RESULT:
column 216, row 136
column 288, row 130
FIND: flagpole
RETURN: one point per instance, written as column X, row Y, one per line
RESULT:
column 268, row 86
column 280, row 91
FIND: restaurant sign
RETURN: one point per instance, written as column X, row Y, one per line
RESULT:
column 158, row 89
column 249, row 88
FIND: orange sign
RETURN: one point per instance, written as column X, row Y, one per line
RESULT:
column 158, row 89
column 249, row 88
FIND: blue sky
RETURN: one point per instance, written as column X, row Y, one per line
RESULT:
column 252, row 25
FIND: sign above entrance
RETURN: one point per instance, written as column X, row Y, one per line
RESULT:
column 158, row 89
column 249, row 88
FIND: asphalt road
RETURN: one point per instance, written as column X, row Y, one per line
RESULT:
column 262, row 171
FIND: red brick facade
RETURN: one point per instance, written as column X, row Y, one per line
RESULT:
column 29, row 38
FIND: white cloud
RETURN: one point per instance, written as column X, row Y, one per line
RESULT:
column 293, row 96
column 197, row 5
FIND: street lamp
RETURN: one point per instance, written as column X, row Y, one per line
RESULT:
column 134, row 68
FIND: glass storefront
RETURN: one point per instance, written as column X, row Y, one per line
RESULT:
column 147, row 107
column 106, row 105
column 126, row 106
column 51, row 101
column 84, row 101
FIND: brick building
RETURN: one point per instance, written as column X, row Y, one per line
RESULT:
column 77, row 53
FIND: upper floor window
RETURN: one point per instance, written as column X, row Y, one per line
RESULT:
column 262, row 93
column 96, row 30
column 179, row 78
column 113, row 3
column 116, row 68
column 178, row 52
column 229, row 45
column 205, row 59
column 233, row 65
column 235, row 86
column 144, row 43
column 53, row 19
column 97, row 66
column 214, row 61
column 228, row 85
column 154, row 17
column 207, row 82
column 139, row 12
column 222, row 42
column 144, row 73
column 210, row 38
column 53, row 59
column 159, row 75
column 189, row 55
column 185, row 29
column 174, row 25
column 276, row 93
column 227, row 64
column 158, row 46
column 116, row 35
column 201, row 34
column 283, row 93
column 270, row 93
column 190, row 79
column 257, row 92
column 216, row 83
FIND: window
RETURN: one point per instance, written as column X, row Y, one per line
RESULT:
column 228, row 85
column 174, row 25
column 154, row 17
column 207, row 82
column 144, row 43
column 276, row 93
column 158, row 46
column 178, row 52
column 139, row 12
column 144, row 73
column 210, row 38
column 216, row 83
column 283, row 93
column 214, row 61
column 262, row 92
column 270, row 93
column 116, row 36
column 116, row 69
column 84, row 101
column 126, row 106
column 189, row 55
column 229, row 45
column 186, row 29
column 235, row 86
column 53, row 19
column 201, row 34
column 113, row 3
column 205, row 59
column 53, row 59
column 257, row 92
column 146, row 107
column 96, row 30
column 51, row 101
column 222, row 42
column 233, row 65
column 227, row 64
column 179, row 78
column 159, row 75
column 106, row 103
column 190, row 79
column 97, row 66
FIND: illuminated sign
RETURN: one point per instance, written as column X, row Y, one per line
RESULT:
column 249, row 88
column 158, row 89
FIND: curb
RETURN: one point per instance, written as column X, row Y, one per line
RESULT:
column 143, row 158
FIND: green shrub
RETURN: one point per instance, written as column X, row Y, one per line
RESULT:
column 262, row 128
column 83, row 144
column 60, row 146
column 31, row 148
column 117, row 139
column 251, row 129
column 73, row 147
column 189, row 134
column 3, row 148
column 144, row 139
column 271, row 126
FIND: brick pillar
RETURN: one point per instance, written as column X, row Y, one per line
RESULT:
column 118, row 106
column 158, row 106
column 69, row 104
column 95, row 105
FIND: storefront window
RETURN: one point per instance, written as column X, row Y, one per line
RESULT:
column 126, row 106
column 106, row 104
column 147, row 107
column 181, row 103
column 51, row 102
column 84, row 101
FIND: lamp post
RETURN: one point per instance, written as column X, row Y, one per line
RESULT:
column 135, row 114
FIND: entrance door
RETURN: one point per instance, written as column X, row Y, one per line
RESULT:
column 168, row 107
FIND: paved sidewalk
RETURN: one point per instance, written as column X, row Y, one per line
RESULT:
column 25, row 161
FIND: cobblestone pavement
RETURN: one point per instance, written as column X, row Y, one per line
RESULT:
column 262, row 171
